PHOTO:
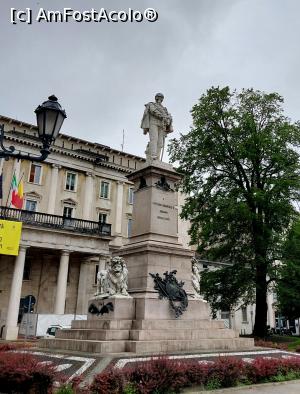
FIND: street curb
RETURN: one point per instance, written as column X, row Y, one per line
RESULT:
column 197, row 389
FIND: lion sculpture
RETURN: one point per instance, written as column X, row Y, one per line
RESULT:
column 113, row 281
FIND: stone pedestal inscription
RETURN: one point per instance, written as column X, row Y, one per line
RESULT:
column 155, row 213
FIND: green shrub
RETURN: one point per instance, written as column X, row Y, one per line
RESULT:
column 213, row 384
column 65, row 389
column 130, row 389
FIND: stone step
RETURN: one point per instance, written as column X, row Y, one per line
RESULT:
column 168, row 346
column 182, row 334
column 150, row 347
column 178, row 323
column 93, row 334
column 146, row 324
column 84, row 345
column 102, row 324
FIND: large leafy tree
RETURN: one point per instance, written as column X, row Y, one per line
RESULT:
column 288, row 286
column 240, row 174
column 225, row 288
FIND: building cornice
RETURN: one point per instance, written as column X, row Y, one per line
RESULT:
column 67, row 137
column 33, row 141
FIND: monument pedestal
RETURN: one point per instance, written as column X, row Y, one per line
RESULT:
column 117, row 308
column 154, row 308
column 153, row 246
column 146, row 324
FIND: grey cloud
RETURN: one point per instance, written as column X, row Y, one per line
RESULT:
column 104, row 73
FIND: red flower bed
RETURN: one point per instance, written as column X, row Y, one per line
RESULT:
column 22, row 373
column 228, row 371
column 164, row 375
column 5, row 347
column 168, row 375
column 275, row 345
column 264, row 369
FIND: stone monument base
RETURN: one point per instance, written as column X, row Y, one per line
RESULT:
column 114, row 332
column 154, row 308
column 114, row 307
column 146, row 324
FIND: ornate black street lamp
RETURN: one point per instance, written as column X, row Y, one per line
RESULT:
column 50, row 117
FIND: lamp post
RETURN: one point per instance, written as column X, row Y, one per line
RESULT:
column 50, row 117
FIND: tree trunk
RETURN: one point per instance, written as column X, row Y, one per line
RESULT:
column 260, row 325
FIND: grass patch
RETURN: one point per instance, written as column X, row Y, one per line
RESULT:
column 291, row 341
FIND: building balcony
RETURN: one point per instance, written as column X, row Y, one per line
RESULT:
column 39, row 219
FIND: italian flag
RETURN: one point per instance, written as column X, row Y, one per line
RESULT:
column 17, row 193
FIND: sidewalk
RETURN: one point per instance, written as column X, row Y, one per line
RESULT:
column 291, row 387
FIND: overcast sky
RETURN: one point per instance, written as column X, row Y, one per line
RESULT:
column 104, row 73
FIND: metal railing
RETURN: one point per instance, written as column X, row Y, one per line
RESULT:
column 55, row 222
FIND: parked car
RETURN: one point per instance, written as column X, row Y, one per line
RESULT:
column 36, row 325
column 51, row 330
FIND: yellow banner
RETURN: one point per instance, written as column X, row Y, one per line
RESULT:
column 10, row 235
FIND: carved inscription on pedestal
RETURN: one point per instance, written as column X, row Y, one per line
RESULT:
column 164, row 211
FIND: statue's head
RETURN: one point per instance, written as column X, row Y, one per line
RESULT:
column 159, row 97
column 117, row 265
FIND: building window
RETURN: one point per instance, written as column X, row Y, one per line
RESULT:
column 68, row 212
column 30, row 205
column 27, row 269
column 130, row 195
column 71, row 181
column 225, row 315
column 96, row 273
column 129, row 226
column 102, row 217
column 244, row 314
column 104, row 189
column 35, row 174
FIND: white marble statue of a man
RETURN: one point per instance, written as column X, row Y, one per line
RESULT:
column 158, row 123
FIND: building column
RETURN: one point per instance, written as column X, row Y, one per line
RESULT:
column 11, row 328
column 53, row 189
column 62, row 281
column 86, row 288
column 88, row 196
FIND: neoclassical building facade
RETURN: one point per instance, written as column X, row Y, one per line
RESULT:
column 77, row 209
